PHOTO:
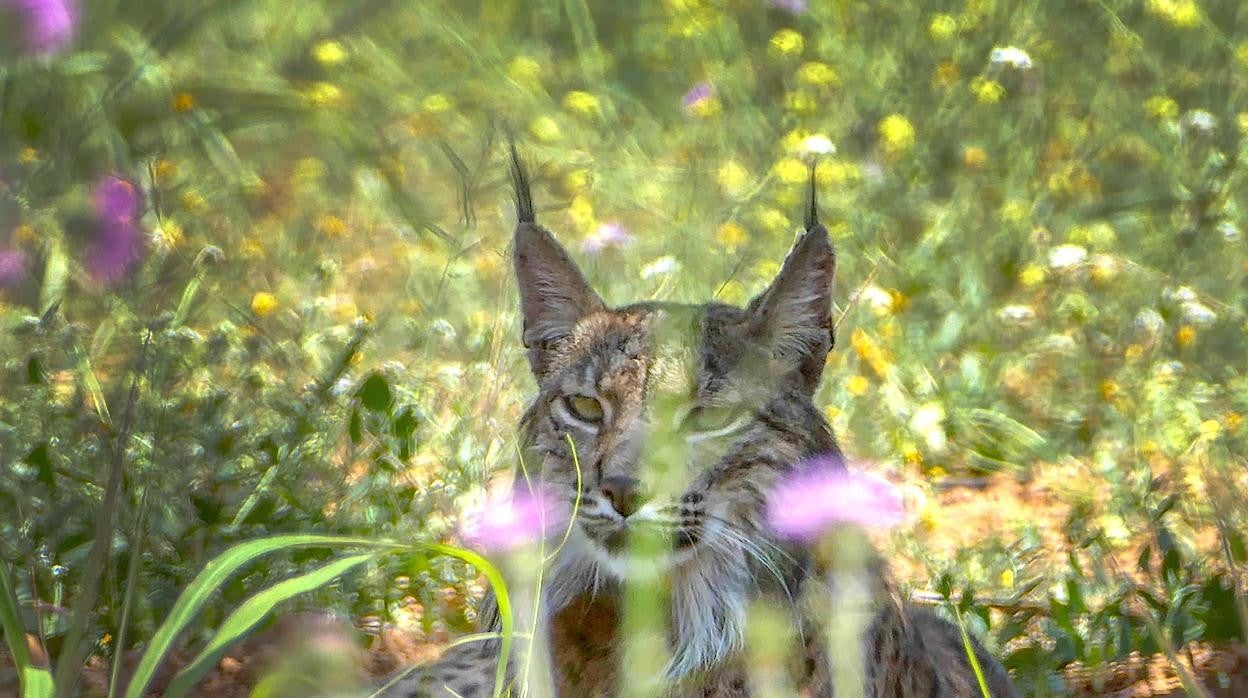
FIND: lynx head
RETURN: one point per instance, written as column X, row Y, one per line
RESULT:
column 667, row 425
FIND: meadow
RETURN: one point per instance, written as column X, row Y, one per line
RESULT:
column 256, row 305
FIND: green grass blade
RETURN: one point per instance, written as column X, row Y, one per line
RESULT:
column 36, row 681
column 970, row 654
column 254, row 610
column 214, row 574
column 501, row 596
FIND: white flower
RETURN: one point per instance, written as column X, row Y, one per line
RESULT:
column 818, row 144
column 1149, row 321
column 1016, row 314
column 1067, row 256
column 1012, row 56
column 928, row 422
column 1182, row 294
column 1200, row 120
column 663, row 265
column 1229, row 230
column 881, row 301
column 1198, row 313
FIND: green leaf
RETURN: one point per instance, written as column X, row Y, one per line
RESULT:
column 215, row 574
column 36, row 681
column 252, row 611
column 375, row 393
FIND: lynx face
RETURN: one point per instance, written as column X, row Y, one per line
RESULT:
column 666, row 425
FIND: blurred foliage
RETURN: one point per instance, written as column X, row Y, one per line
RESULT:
column 1038, row 209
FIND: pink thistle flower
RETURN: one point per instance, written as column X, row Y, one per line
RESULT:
column 49, row 24
column 118, row 245
column 697, row 95
column 501, row 525
column 607, row 235
column 823, row 494
column 12, row 266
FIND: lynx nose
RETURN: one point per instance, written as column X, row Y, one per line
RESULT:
column 624, row 493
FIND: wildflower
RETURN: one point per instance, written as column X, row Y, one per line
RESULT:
column 27, row 155
column 929, row 422
column 48, row 24
column 731, row 235
column 1241, row 52
column 331, row 225
column 974, row 157
column 1210, row 429
column 1198, row 313
column 1011, row 56
column 897, row 133
column 607, row 235
column 800, row 102
column 545, row 129
column 263, row 303
column 733, row 178
column 437, row 103
column 787, row 42
column 1067, row 256
column 818, row 144
column 1161, row 107
column 12, row 266
column 701, row 100
column 858, row 385
column 325, row 94
column 118, row 243
column 1199, row 120
column 666, row 264
column 790, row 170
column 946, row 74
column 329, row 53
column 1186, row 336
column 1017, row 314
column 1109, row 390
column 773, row 220
column 525, row 70
column 183, row 102
column 823, row 494
column 987, row 91
column 502, row 525
column 582, row 104
column 796, row 7
column 942, row 27
column 817, row 74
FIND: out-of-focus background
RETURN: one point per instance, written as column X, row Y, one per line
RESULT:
column 253, row 265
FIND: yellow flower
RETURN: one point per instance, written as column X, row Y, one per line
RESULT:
column 858, row 385
column 800, row 102
column 773, row 221
column 1242, row 119
column 1183, row 14
column 1007, row 578
column 164, row 171
column 790, row 171
column 27, row 155
column 766, row 269
column 1115, row 529
column 974, row 157
column 731, row 235
column 705, row 107
column 733, row 292
column 876, row 356
column 310, row 169
column 911, row 455
column 25, row 233
column 183, row 102
column 437, row 103
column 329, row 53
column 1232, row 420
column 1161, row 107
column 836, row 172
column 324, row 94
column 1133, row 351
column 581, row 211
column 331, row 225
column 987, row 91
column 942, row 27
column 1186, row 336
column 946, row 74
column 582, row 104
column 193, row 201
column 575, row 180
column 545, row 129
column 1109, row 390
column 1210, row 429
column 171, row 234
column 897, row 133
column 525, row 70
column 733, row 178
column 263, row 303
column 1015, row 211
column 787, row 42
column 818, row 74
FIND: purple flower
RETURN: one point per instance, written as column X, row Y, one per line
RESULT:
column 697, row 95
column 507, row 524
column 49, row 24
column 823, row 493
column 12, row 266
column 118, row 244
column 797, row 7
column 607, row 235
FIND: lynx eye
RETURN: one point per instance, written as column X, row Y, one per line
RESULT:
column 713, row 421
column 583, row 408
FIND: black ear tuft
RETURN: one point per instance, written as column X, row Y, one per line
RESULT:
column 520, row 183
column 812, row 205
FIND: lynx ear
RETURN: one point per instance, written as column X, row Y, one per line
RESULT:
column 793, row 317
column 554, row 295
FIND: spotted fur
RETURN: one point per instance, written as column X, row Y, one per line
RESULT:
column 651, row 460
